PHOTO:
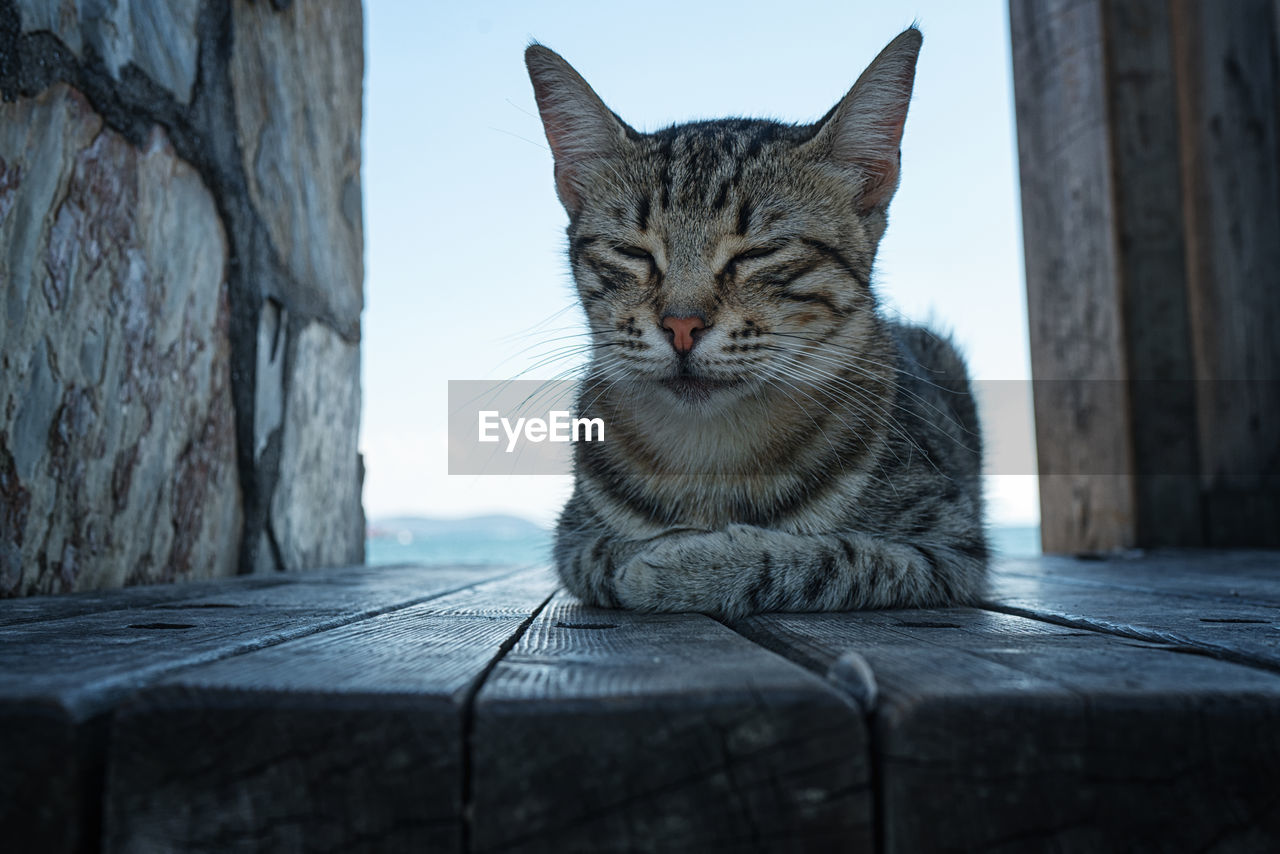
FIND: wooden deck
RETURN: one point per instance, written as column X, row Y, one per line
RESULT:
column 1089, row 706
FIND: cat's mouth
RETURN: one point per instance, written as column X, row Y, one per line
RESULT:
column 696, row 389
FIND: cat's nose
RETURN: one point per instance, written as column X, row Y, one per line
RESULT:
column 682, row 331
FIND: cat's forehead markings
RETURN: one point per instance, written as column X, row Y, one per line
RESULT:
column 642, row 212
column 743, row 224
column 696, row 165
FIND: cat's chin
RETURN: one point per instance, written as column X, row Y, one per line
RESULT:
column 698, row 390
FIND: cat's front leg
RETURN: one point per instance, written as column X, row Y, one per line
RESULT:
column 590, row 559
column 743, row 570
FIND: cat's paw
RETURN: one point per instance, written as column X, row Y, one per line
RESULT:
column 679, row 573
column 639, row 586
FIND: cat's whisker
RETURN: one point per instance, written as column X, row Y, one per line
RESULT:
column 522, row 333
column 804, row 409
column 519, row 137
column 856, row 434
column 866, row 399
column 869, row 400
column 845, row 365
column 857, row 357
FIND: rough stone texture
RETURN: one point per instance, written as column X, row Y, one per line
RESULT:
column 268, row 404
column 316, row 514
column 157, row 36
column 263, row 101
column 117, row 437
column 297, row 79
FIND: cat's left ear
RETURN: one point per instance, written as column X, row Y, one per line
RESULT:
column 579, row 127
column 864, row 130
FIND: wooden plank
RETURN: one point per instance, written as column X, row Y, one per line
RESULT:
column 347, row 740
column 60, row 678
column 34, row 609
column 993, row 732
column 1076, row 325
column 1152, row 275
column 1243, row 576
column 1149, row 150
column 1235, row 631
column 1228, row 55
column 614, row 731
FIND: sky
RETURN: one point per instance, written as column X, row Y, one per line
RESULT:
column 465, row 267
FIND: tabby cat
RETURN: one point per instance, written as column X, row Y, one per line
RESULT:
column 773, row 441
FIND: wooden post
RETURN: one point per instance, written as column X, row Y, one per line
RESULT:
column 1228, row 62
column 1150, row 169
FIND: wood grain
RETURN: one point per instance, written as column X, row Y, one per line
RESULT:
column 1228, row 59
column 207, row 594
column 1227, row 577
column 34, row 609
column 1078, row 358
column 998, row 733
column 1149, row 154
column 1102, row 706
column 1142, row 117
column 60, row 678
column 346, row 740
column 1233, row 631
column 614, row 731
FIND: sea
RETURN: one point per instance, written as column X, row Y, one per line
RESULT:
column 510, row 540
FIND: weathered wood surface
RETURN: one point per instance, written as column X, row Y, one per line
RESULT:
column 1151, row 272
column 1234, row 631
column 34, row 609
column 998, row 733
column 1228, row 59
column 1149, row 154
column 60, row 677
column 200, row 594
column 1246, row 576
column 1089, row 706
column 612, row 731
column 1075, row 323
column 345, row 740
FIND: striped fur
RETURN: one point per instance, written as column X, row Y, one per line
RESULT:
column 807, row 453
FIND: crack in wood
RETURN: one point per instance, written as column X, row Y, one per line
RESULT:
column 468, row 721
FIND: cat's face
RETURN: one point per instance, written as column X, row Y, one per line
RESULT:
column 717, row 256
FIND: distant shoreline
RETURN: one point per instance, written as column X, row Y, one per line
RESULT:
column 505, row 539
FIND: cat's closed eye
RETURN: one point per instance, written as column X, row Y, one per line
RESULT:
column 758, row 252
column 634, row 252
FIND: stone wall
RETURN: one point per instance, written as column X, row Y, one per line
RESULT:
column 181, row 280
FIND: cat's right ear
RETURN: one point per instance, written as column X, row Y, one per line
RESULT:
column 864, row 130
column 579, row 127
